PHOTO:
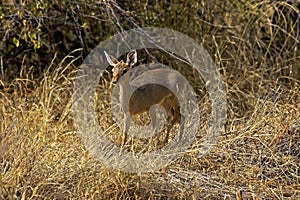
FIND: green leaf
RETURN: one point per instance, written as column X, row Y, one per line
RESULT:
column 16, row 42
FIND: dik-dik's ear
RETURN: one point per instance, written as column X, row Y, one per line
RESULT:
column 131, row 58
column 110, row 59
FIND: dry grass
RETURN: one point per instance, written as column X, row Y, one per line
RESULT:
column 258, row 157
column 43, row 157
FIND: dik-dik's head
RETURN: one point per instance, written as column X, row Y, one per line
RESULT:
column 121, row 67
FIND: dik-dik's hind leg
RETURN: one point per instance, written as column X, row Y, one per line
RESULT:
column 171, row 106
column 175, row 117
column 181, row 124
column 171, row 122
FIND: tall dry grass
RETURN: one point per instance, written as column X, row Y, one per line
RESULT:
column 258, row 157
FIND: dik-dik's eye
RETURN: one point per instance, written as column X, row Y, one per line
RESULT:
column 124, row 71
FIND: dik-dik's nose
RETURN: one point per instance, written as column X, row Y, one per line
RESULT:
column 114, row 79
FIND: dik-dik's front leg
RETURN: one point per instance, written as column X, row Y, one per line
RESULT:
column 126, row 128
column 152, row 114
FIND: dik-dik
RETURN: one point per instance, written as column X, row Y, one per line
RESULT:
column 144, row 97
